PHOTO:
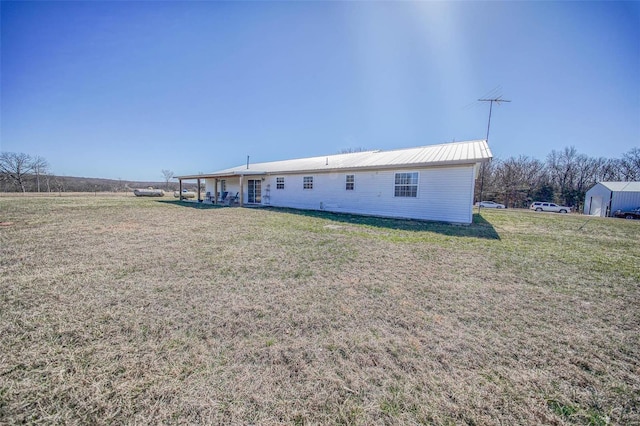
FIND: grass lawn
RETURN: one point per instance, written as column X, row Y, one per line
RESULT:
column 136, row 310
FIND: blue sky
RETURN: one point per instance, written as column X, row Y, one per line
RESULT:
column 126, row 89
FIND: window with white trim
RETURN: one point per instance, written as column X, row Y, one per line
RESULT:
column 350, row 182
column 279, row 183
column 406, row 185
column 307, row 182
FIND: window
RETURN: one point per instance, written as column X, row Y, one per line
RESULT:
column 279, row 183
column 350, row 182
column 223, row 185
column 307, row 182
column 406, row 184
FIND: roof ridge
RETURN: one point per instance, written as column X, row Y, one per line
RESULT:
column 375, row 151
column 434, row 145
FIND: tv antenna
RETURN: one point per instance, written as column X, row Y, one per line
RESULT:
column 491, row 101
column 497, row 100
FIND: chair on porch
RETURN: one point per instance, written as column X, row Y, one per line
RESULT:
column 233, row 199
column 223, row 197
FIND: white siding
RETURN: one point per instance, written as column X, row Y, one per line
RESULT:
column 233, row 185
column 209, row 186
column 596, row 201
column 444, row 193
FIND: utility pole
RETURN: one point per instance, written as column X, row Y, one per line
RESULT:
column 491, row 101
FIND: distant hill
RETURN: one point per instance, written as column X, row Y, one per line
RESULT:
column 83, row 184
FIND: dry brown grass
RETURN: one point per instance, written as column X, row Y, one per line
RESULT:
column 126, row 310
column 65, row 194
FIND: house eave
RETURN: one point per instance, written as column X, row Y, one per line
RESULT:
column 328, row 169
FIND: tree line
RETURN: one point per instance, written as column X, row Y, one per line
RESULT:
column 564, row 177
column 20, row 172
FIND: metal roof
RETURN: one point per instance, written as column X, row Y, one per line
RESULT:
column 622, row 186
column 468, row 152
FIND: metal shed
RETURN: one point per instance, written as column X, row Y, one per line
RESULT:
column 607, row 197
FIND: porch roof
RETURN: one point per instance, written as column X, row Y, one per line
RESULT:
column 222, row 175
column 468, row 152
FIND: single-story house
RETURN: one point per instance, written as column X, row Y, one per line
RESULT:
column 607, row 197
column 433, row 182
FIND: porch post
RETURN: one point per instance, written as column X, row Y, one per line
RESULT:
column 241, row 190
column 199, row 198
column 180, row 193
column 215, row 191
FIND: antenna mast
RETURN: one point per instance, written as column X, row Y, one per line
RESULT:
column 497, row 100
column 491, row 101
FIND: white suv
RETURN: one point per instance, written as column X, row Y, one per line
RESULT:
column 549, row 207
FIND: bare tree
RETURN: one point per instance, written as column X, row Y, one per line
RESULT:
column 168, row 175
column 40, row 167
column 486, row 185
column 585, row 173
column 352, row 150
column 16, row 167
column 47, row 179
column 517, row 179
column 562, row 169
column 630, row 165
column 59, row 182
column 608, row 170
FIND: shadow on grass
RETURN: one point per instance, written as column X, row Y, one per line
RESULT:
column 480, row 228
column 191, row 204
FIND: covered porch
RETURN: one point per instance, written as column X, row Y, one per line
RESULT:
column 231, row 189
